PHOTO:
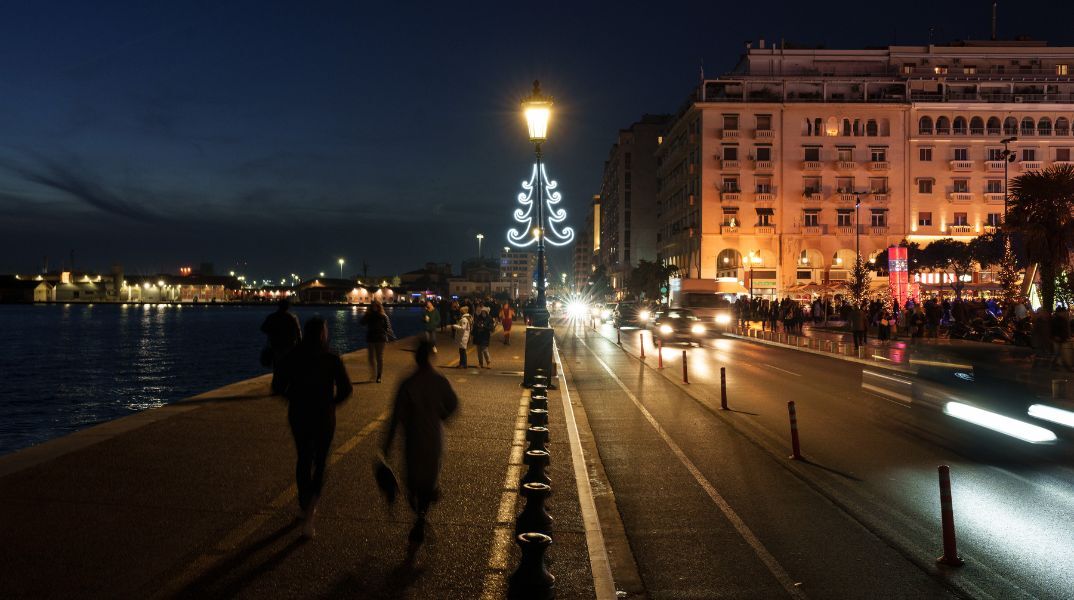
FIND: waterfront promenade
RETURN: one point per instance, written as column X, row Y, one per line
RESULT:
column 196, row 499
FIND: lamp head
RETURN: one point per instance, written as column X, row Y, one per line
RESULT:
column 538, row 111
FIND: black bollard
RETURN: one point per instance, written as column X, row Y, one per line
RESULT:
column 538, row 438
column 534, row 516
column 538, row 416
column 537, row 461
column 532, row 581
column 539, row 401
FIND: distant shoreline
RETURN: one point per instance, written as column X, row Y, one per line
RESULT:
column 272, row 304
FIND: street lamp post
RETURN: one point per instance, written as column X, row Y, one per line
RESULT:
column 1007, row 158
column 480, row 237
column 341, row 268
column 538, row 111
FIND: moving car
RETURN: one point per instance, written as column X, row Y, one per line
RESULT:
column 627, row 314
column 679, row 325
column 711, row 300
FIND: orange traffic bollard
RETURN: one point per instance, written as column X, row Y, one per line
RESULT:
column 947, row 518
column 641, row 343
column 660, row 354
column 723, row 388
column 796, row 452
column 685, row 377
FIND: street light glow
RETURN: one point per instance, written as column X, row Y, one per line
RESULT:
column 538, row 111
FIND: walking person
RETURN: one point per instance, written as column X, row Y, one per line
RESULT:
column 314, row 381
column 483, row 326
column 283, row 333
column 856, row 317
column 424, row 401
column 462, row 333
column 378, row 331
column 507, row 316
column 432, row 323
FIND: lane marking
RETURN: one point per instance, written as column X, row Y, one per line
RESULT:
column 603, row 581
column 762, row 553
column 783, row 370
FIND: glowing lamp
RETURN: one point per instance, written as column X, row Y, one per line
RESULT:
column 538, row 111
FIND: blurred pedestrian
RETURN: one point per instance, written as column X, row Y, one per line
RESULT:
column 424, row 401
column 283, row 333
column 856, row 317
column 483, row 326
column 432, row 322
column 507, row 317
column 314, row 381
column 378, row 331
column 462, row 333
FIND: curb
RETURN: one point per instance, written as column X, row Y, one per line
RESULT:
column 863, row 361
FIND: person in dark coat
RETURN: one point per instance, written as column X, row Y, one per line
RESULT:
column 378, row 331
column 282, row 330
column 314, row 381
column 483, row 326
column 424, row 401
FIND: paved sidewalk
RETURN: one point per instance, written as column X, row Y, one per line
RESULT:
column 196, row 499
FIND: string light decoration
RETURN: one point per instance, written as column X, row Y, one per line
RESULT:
column 528, row 215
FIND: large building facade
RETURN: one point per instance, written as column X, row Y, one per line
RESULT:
column 628, row 208
column 782, row 171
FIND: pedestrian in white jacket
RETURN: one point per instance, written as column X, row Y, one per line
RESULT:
column 462, row 333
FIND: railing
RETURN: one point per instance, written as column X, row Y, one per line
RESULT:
column 812, row 165
column 994, row 165
column 1030, row 165
column 961, row 197
column 994, row 197
column 764, row 197
column 730, row 196
column 989, row 228
column 765, row 229
column 1062, row 162
column 763, row 134
column 729, row 229
column 763, row 165
column 962, row 165
column 729, row 134
column 729, row 164
column 845, row 230
column 812, row 229
column 813, row 196
column 878, row 229
column 879, row 165
column 846, row 165
column 880, row 197
column 959, row 229
column 846, row 198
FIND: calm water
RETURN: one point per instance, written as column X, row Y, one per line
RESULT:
column 64, row 368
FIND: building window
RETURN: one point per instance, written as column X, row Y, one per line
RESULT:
column 1062, row 154
column 878, row 185
column 924, row 219
column 994, row 186
column 962, row 153
column 730, row 152
column 908, row 68
column 764, row 219
column 730, row 219
column 763, row 152
column 812, row 154
column 844, row 154
column 730, row 184
column 995, row 154
column 1062, row 69
column 730, row 122
column 879, row 218
column 811, row 219
column 924, row 126
column 764, row 185
column 924, row 154
column 764, row 122
column 924, row 186
column 960, row 220
column 940, row 69
column 993, row 220
column 878, row 154
column 969, row 70
column 961, row 186
column 811, row 185
column 844, row 185
column 843, row 219
column 1029, row 154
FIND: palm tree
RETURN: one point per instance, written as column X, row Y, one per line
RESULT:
column 1041, row 208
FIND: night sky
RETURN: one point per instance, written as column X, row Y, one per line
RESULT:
column 275, row 137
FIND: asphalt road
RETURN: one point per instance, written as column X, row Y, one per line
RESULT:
column 713, row 507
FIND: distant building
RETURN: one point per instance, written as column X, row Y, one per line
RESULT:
column 518, row 270
column 433, row 278
column 628, row 199
column 14, row 289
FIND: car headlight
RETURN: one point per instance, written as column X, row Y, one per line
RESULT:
column 723, row 319
column 643, row 315
column 697, row 329
column 577, row 310
column 666, row 329
column 606, row 314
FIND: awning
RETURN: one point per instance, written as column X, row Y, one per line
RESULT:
column 731, row 287
column 730, row 209
column 844, row 211
column 766, row 211
column 878, row 210
column 811, row 211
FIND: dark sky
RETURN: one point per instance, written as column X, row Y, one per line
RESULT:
column 274, row 137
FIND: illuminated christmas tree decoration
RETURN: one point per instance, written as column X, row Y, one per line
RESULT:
column 527, row 215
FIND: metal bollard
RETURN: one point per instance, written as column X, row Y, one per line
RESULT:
column 537, row 436
column 641, row 344
column 685, row 376
column 796, row 452
column 947, row 517
column 532, row 581
column 861, row 351
column 723, row 388
column 534, row 516
column 539, row 401
column 1059, row 389
column 660, row 354
column 618, row 336
column 538, row 417
column 537, row 461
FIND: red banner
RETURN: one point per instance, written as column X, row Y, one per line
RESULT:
column 898, row 274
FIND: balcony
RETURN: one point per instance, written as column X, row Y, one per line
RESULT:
column 729, row 229
column 813, row 197
column 880, row 197
column 846, row 165
column 1063, row 162
column 1030, row 165
column 961, row 197
column 994, row 165
column 764, row 230
column 878, row 229
column 764, row 134
column 962, row 165
column 730, row 164
column 812, row 230
column 764, row 197
column 730, row 196
column 846, row 198
column 990, row 229
column 879, row 165
column 959, row 229
column 812, row 165
column 729, row 134
column 763, row 165
column 845, row 230
column 994, row 198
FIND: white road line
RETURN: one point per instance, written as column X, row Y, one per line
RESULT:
column 603, row 582
column 779, row 369
column 755, row 544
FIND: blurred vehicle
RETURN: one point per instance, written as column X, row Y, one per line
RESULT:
column 711, row 300
column 679, row 325
column 650, row 316
column 627, row 314
column 605, row 312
